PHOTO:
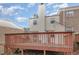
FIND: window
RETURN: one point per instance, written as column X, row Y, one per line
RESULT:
column 52, row 22
column 34, row 22
column 69, row 13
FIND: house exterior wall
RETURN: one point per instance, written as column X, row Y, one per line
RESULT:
column 34, row 28
column 59, row 28
column 56, row 27
column 70, row 19
column 47, row 25
column 54, row 17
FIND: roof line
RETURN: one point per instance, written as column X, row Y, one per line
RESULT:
column 70, row 7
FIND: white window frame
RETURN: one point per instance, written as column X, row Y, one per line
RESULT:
column 69, row 13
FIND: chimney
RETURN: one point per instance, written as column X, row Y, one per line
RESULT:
column 41, row 10
column 41, row 16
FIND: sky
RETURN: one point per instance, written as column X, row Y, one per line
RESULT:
column 19, row 13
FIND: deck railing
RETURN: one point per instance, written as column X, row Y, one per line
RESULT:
column 51, row 39
column 77, row 37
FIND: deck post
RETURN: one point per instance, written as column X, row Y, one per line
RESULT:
column 9, row 51
column 44, row 52
column 21, row 51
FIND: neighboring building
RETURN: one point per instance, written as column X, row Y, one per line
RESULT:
column 42, row 23
column 5, row 28
column 70, row 18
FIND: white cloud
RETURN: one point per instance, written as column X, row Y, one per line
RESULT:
column 16, row 7
column 16, row 13
column 49, row 4
column 21, row 19
column 62, row 5
column 55, row 7
column 10, row 10
column 53, row 13
column 47, row 12
column 1, row 7
column 31, row 5
column 7, row 11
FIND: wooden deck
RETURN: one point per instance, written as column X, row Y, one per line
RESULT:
column 47, row 47
column 47, row 41
column 77, row 37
